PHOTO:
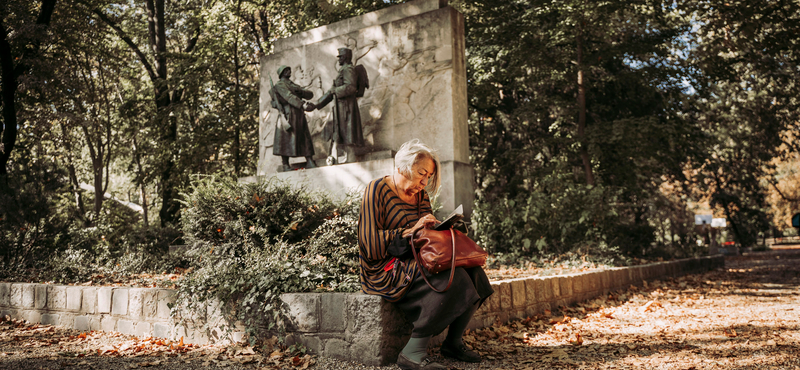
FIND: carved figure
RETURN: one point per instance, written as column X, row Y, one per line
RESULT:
column 345, row 130
column 292, row 138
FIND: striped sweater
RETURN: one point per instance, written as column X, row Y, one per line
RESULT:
column 383, row 215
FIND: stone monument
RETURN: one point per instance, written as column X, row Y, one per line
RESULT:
column 414, row 57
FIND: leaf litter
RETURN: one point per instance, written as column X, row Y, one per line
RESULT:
column 744, row 318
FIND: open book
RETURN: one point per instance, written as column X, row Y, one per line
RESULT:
column 451, row 219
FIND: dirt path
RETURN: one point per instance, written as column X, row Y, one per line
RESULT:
column 746, row 316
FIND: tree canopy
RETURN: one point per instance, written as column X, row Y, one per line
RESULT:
column 595, row 127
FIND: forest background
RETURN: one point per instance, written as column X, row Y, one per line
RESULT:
column 597, row 128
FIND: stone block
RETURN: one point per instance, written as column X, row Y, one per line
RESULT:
column 503, row 289
column 592, row 281
column 16, row 295
column 332, row 306
column 135, row 302
column 366, row 349
column 126, row 327
column 605, row 281
column 578, row 283
column 95, row 322
column 32, row 316
column 336, row 348
column 672, row 268
column 161, row 330
column 302, row 309
column 519, row 297
column 564, row 286
column 166, row 298
column 634, row 276
column 40, row 293
column 547, row 290
column 363, row 315
column 150, row 303
column 5, row 294
column 50, row 319
column 81, row 323
column 28, row 295
column 555, row 288
column 119, row 302
column 108, row 323
column 645, row 272
column 619, row 279
column 56, row 297
column 535, row 292
column 104, row 300
column 9, row 312
column 74, row 298
column 312, row 343
column 67, row 319
column 144, row 329
column 89, row 301
column 192, row 335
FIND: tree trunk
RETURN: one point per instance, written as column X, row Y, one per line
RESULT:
column 73, row 176
column 10, row 83
column 587, row 163
column 9, row 86
column 143, row 187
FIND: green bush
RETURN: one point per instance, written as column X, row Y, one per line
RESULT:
column 33, row 221
column 44, row 238
column 555, row 217
column 251, row 242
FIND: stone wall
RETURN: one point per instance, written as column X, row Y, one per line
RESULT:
column 348, row 326
column 143, row 312
column 367, row 329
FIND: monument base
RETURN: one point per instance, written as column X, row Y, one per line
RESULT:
column 340, row 179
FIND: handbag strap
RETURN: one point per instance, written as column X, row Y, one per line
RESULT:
column 422, row 267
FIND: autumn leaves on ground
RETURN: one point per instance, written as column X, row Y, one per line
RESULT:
column 745, row 316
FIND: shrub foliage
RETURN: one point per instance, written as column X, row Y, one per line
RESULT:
column 251, row 242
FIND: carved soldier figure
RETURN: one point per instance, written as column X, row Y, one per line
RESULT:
column 345, row 130
column 292, row 138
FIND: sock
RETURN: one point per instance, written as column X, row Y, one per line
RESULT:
column 416, row 349
column 457, row 327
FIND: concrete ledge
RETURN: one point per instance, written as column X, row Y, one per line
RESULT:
column 369, row 320
column 348, row 326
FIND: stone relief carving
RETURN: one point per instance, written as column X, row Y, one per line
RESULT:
column 403, row 81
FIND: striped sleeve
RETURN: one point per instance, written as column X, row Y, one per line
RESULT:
column 373, row 238
column 382, row 216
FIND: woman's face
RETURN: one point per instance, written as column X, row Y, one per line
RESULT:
column 421, row 173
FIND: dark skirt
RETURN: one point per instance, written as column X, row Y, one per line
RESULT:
column 431, row 312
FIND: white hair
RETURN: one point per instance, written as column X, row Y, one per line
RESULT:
column 409, row 154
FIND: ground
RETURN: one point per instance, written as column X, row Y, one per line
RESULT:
column 744, row 316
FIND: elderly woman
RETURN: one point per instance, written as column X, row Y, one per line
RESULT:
column 393, row 208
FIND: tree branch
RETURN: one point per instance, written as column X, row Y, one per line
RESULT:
column 122, row 35
column 46, row 13
column 775, row 185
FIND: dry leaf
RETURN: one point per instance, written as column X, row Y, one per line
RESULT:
column 576, row 340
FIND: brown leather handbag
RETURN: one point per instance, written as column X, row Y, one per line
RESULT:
column 445, row 249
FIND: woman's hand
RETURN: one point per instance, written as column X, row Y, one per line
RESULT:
column 425, row 221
